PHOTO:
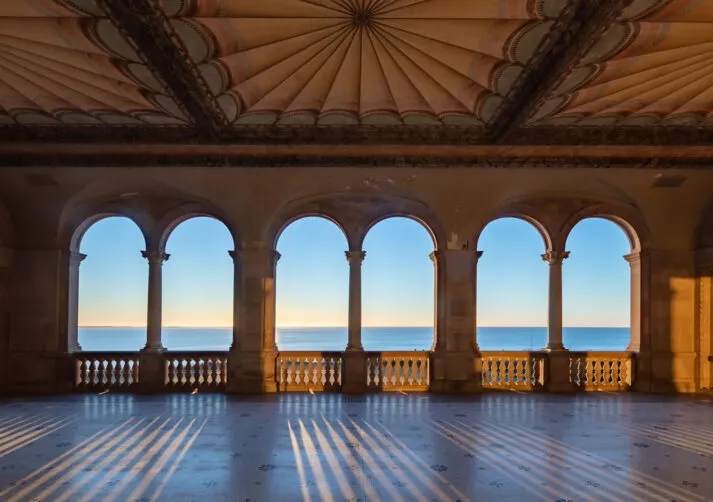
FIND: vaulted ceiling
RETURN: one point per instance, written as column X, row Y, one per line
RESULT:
column 439, row 72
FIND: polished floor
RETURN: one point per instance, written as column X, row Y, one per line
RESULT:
column 394, row 447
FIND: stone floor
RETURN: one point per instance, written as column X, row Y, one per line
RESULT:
column 414, row 447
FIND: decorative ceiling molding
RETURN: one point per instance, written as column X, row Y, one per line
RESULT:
column 147, row 26
column 152, row 155
column 362, row 135
column 578, row 28
column 653, row 67
column 63, row 63
column 357, row 62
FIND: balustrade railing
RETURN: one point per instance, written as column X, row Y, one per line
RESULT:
column 601, row 370
column 205, row 371
column 97, row 371
column 304, row 371
column 394, row 371
column 510, row 370
column 322, row 371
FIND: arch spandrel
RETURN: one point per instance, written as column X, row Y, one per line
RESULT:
column 628, row 218
column 530, row 213
column 72, row 233
column 165, row 226
column 356, row 213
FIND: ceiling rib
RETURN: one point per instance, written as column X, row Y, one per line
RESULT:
column 145, row 24
column 580, row 26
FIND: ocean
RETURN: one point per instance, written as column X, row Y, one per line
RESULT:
column 335, row 339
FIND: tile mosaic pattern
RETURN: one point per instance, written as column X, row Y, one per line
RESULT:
column 415, row 447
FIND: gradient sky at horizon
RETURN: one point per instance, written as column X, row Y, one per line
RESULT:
column 312, row 280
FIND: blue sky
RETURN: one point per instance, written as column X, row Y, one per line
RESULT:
column 312, row 280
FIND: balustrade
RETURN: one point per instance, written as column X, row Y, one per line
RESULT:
column 106, row 370
column 385, row 371
column 513, row 370
column 601, row 370
column 394, row 371
column 302, row 371
column 205, row 371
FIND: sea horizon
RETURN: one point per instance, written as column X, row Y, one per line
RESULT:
column 374, row 338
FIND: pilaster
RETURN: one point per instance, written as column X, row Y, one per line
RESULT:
column 5, row 261
column 455, row 363
column 251, row 361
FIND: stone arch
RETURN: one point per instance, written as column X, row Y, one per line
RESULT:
column 627, row 218
column 78, row 219
column 301, row 216
column 525, row 216
column 408, row 216
column 172, row 219
column 634, row 226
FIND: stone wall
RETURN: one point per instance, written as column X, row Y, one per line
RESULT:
column 666, row 228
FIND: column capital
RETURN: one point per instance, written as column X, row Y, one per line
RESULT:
column 75, row 258
column 555, row 257
column 355, row 256
column 241, row 253
column 155, row 257
column 633, row 258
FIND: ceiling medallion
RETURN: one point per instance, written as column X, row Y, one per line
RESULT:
column 362, row 17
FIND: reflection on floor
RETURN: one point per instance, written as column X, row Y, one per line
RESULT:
column 381, row 447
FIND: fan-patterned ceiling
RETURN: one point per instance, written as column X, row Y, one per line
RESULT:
column 361, row 61
column 653, row 67
column 62, row 62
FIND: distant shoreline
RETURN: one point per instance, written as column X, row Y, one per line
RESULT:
column 345, row 327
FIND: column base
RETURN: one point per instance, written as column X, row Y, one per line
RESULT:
column 251, row 372
column 152, row 372
column 154, row 349
column 558, row 371
column 354, row 372
column 456, row 372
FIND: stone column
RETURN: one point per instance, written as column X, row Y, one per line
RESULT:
column 155, row 298
column 554, row 310
column 75, row 259
column 152, row 369
column 558, row 377
column 354, row 358
column 237, row 275
column 634, row 260
column 355, row 259
column 439, row 307
column 251, row 362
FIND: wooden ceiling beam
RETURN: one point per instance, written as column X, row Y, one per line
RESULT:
column 146, row 26
column 580, row 26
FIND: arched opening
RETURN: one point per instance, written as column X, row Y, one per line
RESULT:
column 312, row 284
column 512, row 287
column 596, row 282
column 398, row 288
column 198, row 286
column 112, row 286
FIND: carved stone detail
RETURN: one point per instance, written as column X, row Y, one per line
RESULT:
column 155, row 257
